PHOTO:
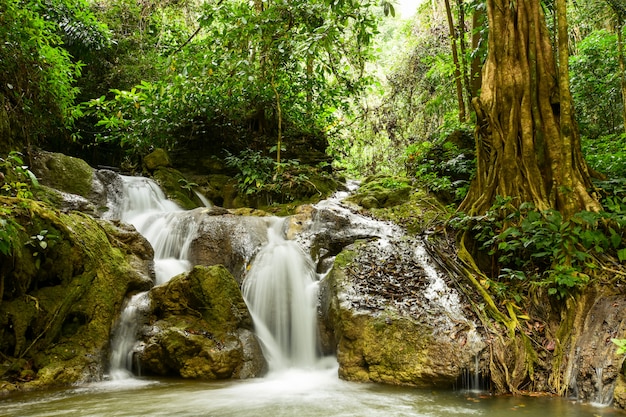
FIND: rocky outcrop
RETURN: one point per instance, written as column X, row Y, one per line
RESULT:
column 382, row 192
column 227, row 239
column 62, row 292
column 157, row 158
column 591, row 364
column 200, row 328
column 395, row 320
column 619, row 395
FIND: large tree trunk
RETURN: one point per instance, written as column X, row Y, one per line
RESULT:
column 528, row 146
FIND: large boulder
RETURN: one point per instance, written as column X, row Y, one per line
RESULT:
column 396, row 320
column 200, row 328
column 63, row 173
column 70, row 184
column 157, row 158
column 227, row 239
column 61, row 293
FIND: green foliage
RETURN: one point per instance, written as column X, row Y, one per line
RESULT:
column 40, row 243
column 621, row 346
column 606, row 154
column 244, row 64
column 260, row 176
column 411, row 101
column 542, row 248
column 8, row 231
column 16, row 180
column 444, row 166
column 255, row 170
column 38, row 88
column 595, row 84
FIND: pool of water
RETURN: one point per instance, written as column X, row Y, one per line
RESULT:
column 290, row 393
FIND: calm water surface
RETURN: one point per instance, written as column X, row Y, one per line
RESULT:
column 291, row 393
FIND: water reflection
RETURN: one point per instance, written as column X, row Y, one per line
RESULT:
column 289, row 393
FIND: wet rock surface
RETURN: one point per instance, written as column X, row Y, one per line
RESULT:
column 593, row 363
column 58, row 306
column 394, row 320
column 226, row 239
column 199, row 327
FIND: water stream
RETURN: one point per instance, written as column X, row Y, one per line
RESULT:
column 281, row 293
column 281, row 290
column 170, row 230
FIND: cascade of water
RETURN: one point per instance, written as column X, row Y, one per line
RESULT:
column 281, row 292
column 170, row 230
column 123, row 343
column 205, row 201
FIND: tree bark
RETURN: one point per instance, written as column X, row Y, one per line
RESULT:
column 463, row 49
column 527, row 144
column 477, row 21
column 622, row 64
column 457, row 68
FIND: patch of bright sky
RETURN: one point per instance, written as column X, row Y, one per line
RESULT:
column 407, row 8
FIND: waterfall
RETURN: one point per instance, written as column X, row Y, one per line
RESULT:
column 123, row 343
column 280, row 290
column 170, row 230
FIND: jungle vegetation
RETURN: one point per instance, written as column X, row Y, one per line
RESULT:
column 512, row 112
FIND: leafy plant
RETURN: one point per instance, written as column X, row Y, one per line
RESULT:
column 255, row 170
column 16, row 179
column 621, row 346
column 40, row 243
column 542, row 248
column 38, row 72
column 8, row 231
column 442, row 166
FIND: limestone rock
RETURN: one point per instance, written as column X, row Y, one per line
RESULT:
column 227, row 240
column 395, row 322
column 157, row 158
column 60, row 299
column 63, row 173
column 201, row 328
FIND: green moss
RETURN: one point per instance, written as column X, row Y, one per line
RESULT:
column 157, row 158
column 176, row 187
column 416, row 214
column 207, row 292
column 62, row 310
column 382, row 192
column 64, row 173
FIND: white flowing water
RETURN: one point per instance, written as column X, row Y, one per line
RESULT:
column 280, row 290
column 170, row 230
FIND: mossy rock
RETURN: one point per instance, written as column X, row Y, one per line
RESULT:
column 382, row 192
column 177, row 187
column 64, row 173
column 61, row 299
column 399, row 339
column 208, row 292
column 201, row 328
column 158, row 158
